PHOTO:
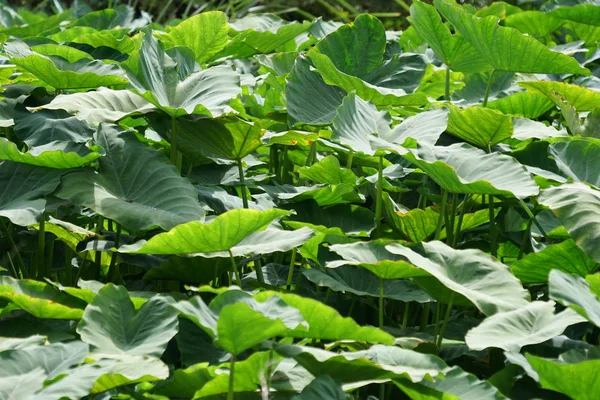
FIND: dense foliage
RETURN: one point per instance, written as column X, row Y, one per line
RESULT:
column 257, row 208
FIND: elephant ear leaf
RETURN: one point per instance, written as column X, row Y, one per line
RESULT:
column 129, row 186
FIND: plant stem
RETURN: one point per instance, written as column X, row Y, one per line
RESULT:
column 488, row 89
column 380, row 303
column 461, row 216
column 438, row 310
column 20, row 264
column 405, row 316
column 290, row 276
column 425, row 317
column 259, row 272
column 446, row 319
column 231, row 377
column 532, row 217
column 174, row 158
column 447, row 86
column 493, row 248
column 379, row 199
column 235, row 269
column 242, row 184
column 451, row 219
column 112, row 268
column 350, row 159
column 438, row 229
column 41, row 249
column 525, row 239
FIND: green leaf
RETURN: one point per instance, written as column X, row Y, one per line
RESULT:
column 364, row 283
column 322, row 387
column 324, row 195
column 573, row 291
column 452, row 50
column 40, row 299
column 205, row 34
column 24, row 203
column 60, row 74
column 573, row 157
column 325, row 322
column 375, row 257
column 185, row 382
column 588, row 14
column 22, row 386
column 111, row 325
column 102, row 105
column 221, row 234
column 464, row 386
column 117, row 40
column 154, row 76
column 129, row 370
column 51, row 159
column 564, row 256
column 328, row 170
column 461, row 168
column 416, row 224
column 579, row 97
column 506, row 49
column 535, row 23
column 482, row 127
column 36, row 28
column 525, row 104
column 70, row 54
column 530, row 324
column 577, row 207
column 472, row 273
column 129, row 186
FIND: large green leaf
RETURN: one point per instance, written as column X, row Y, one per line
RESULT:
column 376, row 258
column 506, row 49
column 111, row 325
column 526, row 104
column 464, row 386
column 364, row 283
column 60, row 74
column 23, row 203
column 482, row 127
column 221, row 234
column 328, row 170
column 472, row 273
column 564, row 256
column 535, row 23
column 588, row 14
column 417, row 224
column 573, row 159
column 51, row 159
column 579, row 97
column 574, row 291
column 205, row 34
column 323, row 387
column 102, row 105
column 577, row 206
column 40, row 299
column 461, row 168
column 530, row 324
column 154, row 76
column 453, row 50
column 129, row 188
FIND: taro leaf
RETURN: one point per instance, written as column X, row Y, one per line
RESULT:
column 78, row 383
column 102, row 105
column 482, row 127
column 221, row 234
column 577, row 207
column 588, row 14
column 506, row 49
column 70, row 54
column 109, row 18
column 575, row 380
column 417, row 224
column 425, row 127
column 322, row 387
column 129, row 370
column 328, row 170
column 21, row 343
column 309, row 99
column 564, row 256
column 525, row 104
column 36, row 28
column 60, row 74
column 51, row 159
column 574, row 291
column 205, row 34
column 472, row 273
column 578, row 97
column 48, row 126
column 452, row 50
column 23, row 203
column 472, row 220
column 186, row 382
column 116, row 40
column 376, row 258
column 154, row 76
column 364, row 283
column 529, row 324
column 111, row 325
column 461, row 168
column 22, row 386
column 535, row 23
column 526, row 129
column 377, row 363
column 55, row 359
column 574, row 159
column 40, row 299
column 350, row 218
column 325, row 322
column 464, row 386
column 129, row 188
column 324, row 195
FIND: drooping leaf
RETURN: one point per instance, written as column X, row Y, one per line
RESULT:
column 574, row 291
column 323, row 387
column 129, row 188
column 525, row 104
column 579, row 97
column 588, row 14
column 416, row 224
column 111, row 325
column 482, row 127
column 573, row 159
column 51, row 159
column 535, row 23
column 328, row 170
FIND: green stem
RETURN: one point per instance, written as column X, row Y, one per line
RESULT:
column 438, row 310
column 379, row 199
column 493, row 247
column 112, row 268
column 451, row 220
column 446, row 319
column 20, row 264
column 425, row 317
column 231, row 377
column 290, row 276
column 525, row 239
column 532, row 217
column 447, row 86
column 488, row 89
column 463, row 208
column 380, row 303
column 422, row 202
column 242, row 184
column 41, row 249
column 235, row 269
column 259, row 272
column 174, row 158
column 350, row 159
column 438, row 229
column 405, row 316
